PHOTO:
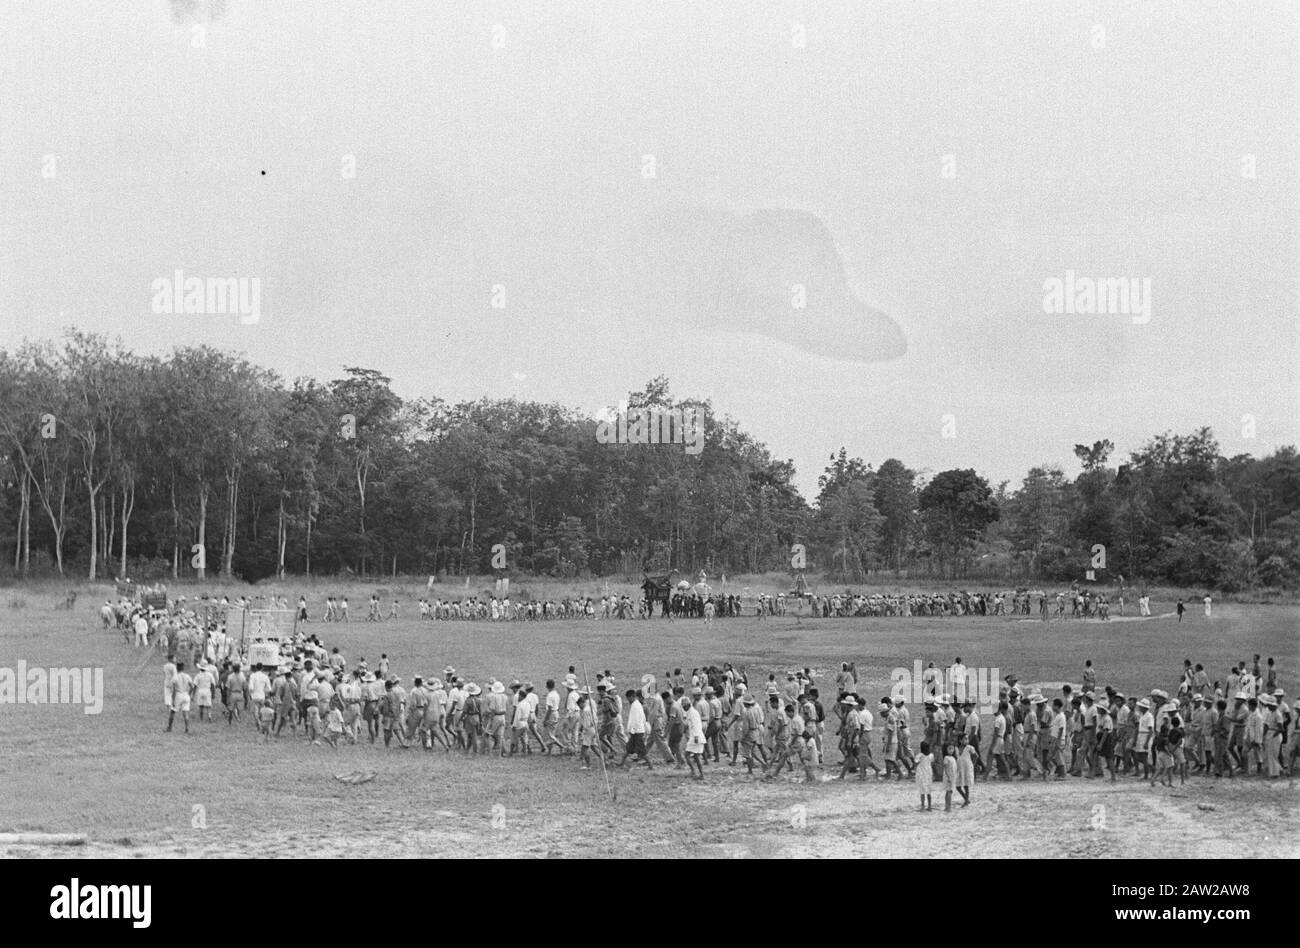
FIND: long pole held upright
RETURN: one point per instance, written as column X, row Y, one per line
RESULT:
column 600, row 750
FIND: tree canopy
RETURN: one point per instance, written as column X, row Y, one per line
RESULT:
column 203, row 463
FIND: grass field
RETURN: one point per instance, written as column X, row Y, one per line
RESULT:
column 133, row 790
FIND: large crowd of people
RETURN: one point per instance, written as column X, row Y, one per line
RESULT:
column 717, row 715
column 1073, row 603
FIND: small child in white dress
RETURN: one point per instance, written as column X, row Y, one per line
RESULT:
column 925, row 774
column 949, row 776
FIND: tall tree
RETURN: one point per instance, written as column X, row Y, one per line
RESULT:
column 895, row 500
column 956, row 506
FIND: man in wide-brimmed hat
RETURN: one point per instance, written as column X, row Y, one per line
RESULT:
column 1238, row 714
column 1105, row 756
column 435, row 716
column 751, row 732
column 588, row 728
column 1292, row 740
column 1028, row 726
column 1198, row 732
column 471, row 718
column 1057, row 734
column 858, row 725
column 1088, row 718
column 904, row 731
column 1274, row 726
column 496, row 705
column 1146, row 726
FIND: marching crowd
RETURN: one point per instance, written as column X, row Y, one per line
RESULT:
column 715, row 715
column 503, row 609
column 1072, row 603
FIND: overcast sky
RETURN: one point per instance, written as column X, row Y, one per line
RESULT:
column 654, row 188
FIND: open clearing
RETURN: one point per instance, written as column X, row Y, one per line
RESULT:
column 133, row 790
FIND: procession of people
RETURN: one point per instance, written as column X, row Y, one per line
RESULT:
column 718, row 715
column 1072, row 603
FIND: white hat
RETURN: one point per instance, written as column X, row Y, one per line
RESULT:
column 498, row 688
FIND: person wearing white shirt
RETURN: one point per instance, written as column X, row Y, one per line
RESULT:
column 182, row 686
column 203, row 683
column 957, row 679
column 866, row 722
column 141, row 626
column 638, row 728
column 259, row 686
column 694, row 728
column 1145, row 732
column 455, row 706
column 533, row 699
column 519, row 725
column 169, row 674
column 571, row 714
column 551, row 718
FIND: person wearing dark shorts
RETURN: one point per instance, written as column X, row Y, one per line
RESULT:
column 637, row 728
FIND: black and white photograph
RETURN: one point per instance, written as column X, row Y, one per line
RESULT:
column 855, row 429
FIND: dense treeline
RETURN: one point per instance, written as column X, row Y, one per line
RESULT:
column 112, row 463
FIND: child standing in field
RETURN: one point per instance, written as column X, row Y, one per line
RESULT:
column 965, row 769
column 312, row 702
column 924, row 773
column 949, row 776
column 334, row 727
column 265, row 716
